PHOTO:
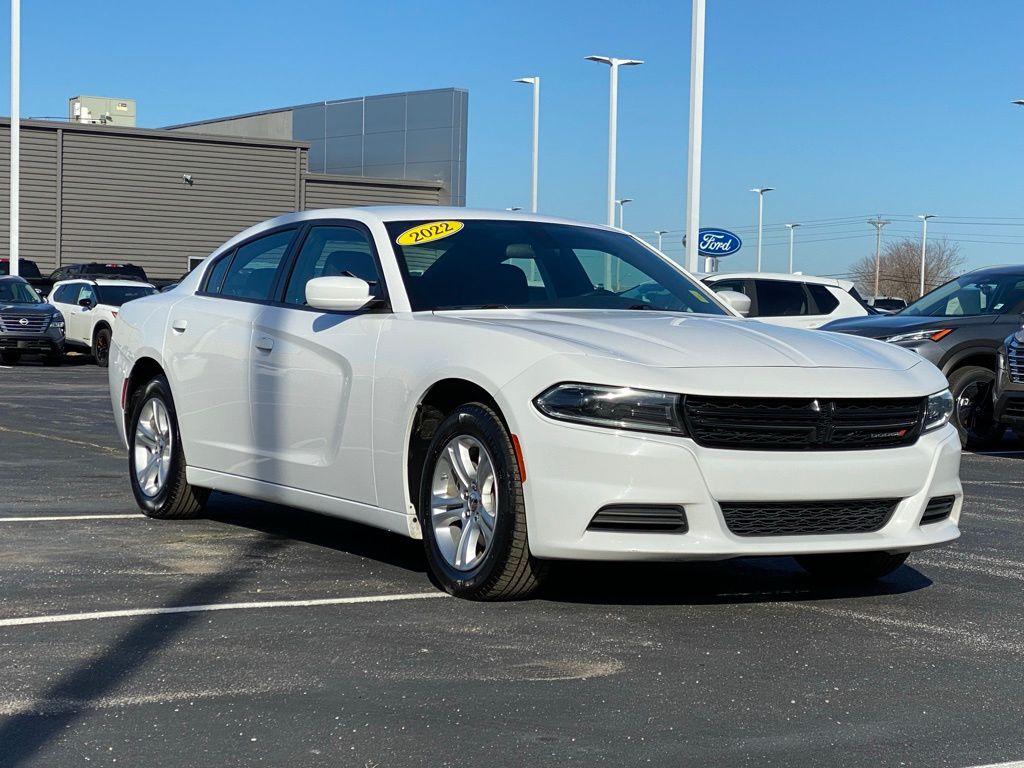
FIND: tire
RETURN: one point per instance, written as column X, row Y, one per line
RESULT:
column 101, row 347
column 852, row 567
column 973, row 414
column 10, row 356
column 502, row 567
column 172, row 498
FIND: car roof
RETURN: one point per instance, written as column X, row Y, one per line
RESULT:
column 794, row 277
column 999, row 269
column 12, row 279
column 104, row 281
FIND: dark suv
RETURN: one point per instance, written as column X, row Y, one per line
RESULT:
column 959, row 327
column 28, row 325
column 96, row 269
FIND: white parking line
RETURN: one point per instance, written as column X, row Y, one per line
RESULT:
column 41, row 518
column 131, row 612
column 1011, row 764
column 58, row 438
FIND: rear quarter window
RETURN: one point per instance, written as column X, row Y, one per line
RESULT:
column 824, row 300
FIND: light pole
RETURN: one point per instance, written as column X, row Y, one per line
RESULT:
column 613, row 108
column 696, row 134
column 792, row 229
column 760, row 218
column 878, row 222
column 622, row 208
column 924, row 242
column 15, row 131
column 535, row 82
column 1019, row 102
column 659, row 233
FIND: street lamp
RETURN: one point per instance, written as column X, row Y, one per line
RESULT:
column 792, row 229
column 878, row 222
column 622, row 208
column 659, row 233
column 15, row 133
column 924, row 242
column 696, row 133
column 1018, row 102
column 613, row 107
column 535, row 82
column 514, row 208
column 760, row 218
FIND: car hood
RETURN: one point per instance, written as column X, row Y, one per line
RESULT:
column 882, row 326
column 671, row 340
column 28, row 309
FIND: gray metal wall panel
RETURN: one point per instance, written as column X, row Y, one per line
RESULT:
column 38, row 194
column 324, row 192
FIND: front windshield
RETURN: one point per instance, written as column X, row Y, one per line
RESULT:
column 116, row 295
column 972, row 295
column 17, row 292
column 480, row 264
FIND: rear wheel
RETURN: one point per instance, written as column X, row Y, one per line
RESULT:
column 156, row 462
column 852, row 567
column 472, row 511
column 10, row 356
column 101, row 347
column 973, row 412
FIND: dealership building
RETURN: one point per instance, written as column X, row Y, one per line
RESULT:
column 163, row 199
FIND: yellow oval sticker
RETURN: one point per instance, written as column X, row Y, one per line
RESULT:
column 427, row 233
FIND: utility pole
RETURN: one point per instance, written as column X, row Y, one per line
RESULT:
column 535, row 82
column 878, row 222
column 15, row 131
column 696, row 133
column 924, row 242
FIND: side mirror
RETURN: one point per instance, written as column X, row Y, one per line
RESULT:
column 738, row 301
column 339, row 293
column 86, row 303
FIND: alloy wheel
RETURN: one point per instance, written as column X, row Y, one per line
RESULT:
column 464, row 502
column 153, row 446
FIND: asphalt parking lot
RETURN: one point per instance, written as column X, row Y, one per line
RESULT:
column 308, row 641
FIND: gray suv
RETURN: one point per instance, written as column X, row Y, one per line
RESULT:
column 959, row 327
column 28, row 325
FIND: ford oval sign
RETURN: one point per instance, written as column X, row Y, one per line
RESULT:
column 718, row 242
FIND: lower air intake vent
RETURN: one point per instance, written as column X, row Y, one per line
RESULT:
column 938, row 509
column 797, row 518
column 643, row 519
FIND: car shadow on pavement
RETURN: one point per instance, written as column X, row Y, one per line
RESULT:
column 320, row 530
column 25, row 735
column 744, row 580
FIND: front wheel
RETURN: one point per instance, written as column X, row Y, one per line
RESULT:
column 852, row 567
column 973, row 412
column 101, row 347
column 156, row 462
column 472, row 511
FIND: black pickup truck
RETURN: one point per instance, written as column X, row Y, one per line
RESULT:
column 29, row 270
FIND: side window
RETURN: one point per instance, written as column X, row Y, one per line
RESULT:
column 254, row 266
column 777, row 298
column 215, row 278
column 330, row 251
column 824, row 300
column 85, row 291
column 63, row 294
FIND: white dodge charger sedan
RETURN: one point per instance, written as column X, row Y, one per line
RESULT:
column 515, row 389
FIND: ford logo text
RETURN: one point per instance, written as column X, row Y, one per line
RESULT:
column 718, row 242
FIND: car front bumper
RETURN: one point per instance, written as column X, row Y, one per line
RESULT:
column 573, row 471
column 42, row 343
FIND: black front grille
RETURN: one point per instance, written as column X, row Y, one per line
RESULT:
column 807, row 424
column 17, row 322
column 1014, row 408
column 647, row 518
column 938, row 509
column 801, row 518
column 1015, row 363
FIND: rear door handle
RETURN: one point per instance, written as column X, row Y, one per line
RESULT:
column 264, row 343
column 179, row 325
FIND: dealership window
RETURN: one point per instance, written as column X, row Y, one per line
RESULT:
column 252, row 270
column 332, row 251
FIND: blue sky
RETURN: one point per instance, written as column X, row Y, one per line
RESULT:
column 848, row 109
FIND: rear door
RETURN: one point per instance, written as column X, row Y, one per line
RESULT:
column 311, row 372
column 78, row 326
column 207, row 349
column 784, row 302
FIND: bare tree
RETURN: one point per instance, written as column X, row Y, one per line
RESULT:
column 900, row 273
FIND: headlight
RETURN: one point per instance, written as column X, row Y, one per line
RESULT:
column 614, row 407
column 931, row 335
column 940, row 406
column 57, row 320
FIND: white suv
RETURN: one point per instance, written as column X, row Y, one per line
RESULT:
column 89, row 308
column 796, row 301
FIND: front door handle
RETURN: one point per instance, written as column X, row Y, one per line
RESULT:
column 264, row 343
column 179, row 326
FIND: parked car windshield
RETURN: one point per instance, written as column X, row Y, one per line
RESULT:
column 480, row 264
column 116, row 295
column 971, row 295
column 17, row 292
column 26, row 268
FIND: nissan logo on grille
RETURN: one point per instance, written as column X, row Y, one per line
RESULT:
column 23, row 321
